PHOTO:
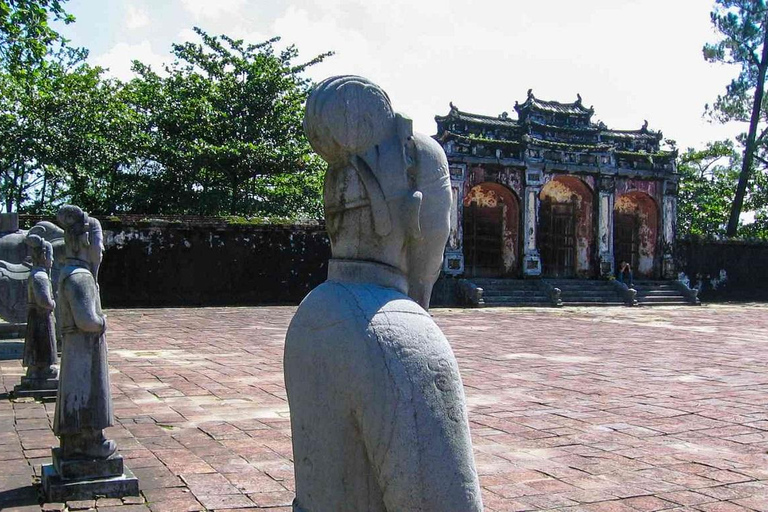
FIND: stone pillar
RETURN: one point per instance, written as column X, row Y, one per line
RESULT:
column 9, row 222
column 531, row 256
column 606, row 196
column 668, row 230
column 453, row 259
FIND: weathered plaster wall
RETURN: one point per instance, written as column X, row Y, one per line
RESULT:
column 567, row 189
column 201, row 263
column 492, row 195
column 643, row 207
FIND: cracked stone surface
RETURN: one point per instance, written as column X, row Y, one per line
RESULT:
column 584, row 409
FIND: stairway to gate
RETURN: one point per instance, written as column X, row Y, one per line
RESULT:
column 659, row 293
column 583, row 292
column 513, row 292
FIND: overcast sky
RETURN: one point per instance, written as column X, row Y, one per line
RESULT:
column 631, row 59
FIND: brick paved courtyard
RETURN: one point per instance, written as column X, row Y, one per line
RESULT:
column 612, row 409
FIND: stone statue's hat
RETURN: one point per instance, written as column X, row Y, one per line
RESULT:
column 350, row 122
column 72, row 219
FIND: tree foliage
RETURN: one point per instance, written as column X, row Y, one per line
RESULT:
column 217, row 132
column 26, row 35
column 743, row 25
column 225, row 129
column 708, row 181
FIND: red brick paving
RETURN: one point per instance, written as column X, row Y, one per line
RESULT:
column 582, row 409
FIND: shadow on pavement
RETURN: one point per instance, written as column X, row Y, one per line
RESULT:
column 19, row 497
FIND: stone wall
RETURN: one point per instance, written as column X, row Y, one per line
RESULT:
column 745, row 264
column 202, row 261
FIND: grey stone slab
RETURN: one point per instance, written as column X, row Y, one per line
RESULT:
column 80, row 469
column 58, row 490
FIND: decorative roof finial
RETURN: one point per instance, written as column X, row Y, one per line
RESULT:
column 578, row 99
column 530, row 93
column 503, row 115
column 453, row 107
column 645, row 125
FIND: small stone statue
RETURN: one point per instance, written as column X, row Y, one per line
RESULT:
column 377, row 405
column 40, row 355
column 85, row 465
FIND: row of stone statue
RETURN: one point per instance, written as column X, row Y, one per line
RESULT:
column 86, row 464
column 378, row 414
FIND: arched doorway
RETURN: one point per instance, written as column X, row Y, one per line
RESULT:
column 635, row 233
column 491, row 231
column 566, row 234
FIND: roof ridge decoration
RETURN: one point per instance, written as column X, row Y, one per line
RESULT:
column 534, row 103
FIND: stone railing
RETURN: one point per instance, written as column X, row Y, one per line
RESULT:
column 470, row 294
column 628, row 294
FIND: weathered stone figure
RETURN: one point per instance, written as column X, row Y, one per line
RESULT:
column 84, row 402
column 40, row 355
column 377, row 405
column 40, row 343
column 86, row 464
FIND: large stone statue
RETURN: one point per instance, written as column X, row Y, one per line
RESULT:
column 15, row 266
column 86, row 464
column 40, row 355
column 377, row 404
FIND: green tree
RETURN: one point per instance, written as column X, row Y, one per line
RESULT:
column 26, row 35
column 226, row 133
column 743, row 25
column 708, row 180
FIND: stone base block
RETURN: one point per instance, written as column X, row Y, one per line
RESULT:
column 59, row 490
column 36, row 388
column 12, row 330
column 86, row 469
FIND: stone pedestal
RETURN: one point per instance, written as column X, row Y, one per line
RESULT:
column 86, row 479
column 37, row 388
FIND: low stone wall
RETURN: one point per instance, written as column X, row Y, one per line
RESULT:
column 745, row 265
column 185, row 262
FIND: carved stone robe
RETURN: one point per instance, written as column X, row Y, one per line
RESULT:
column 84, row 399
column 40, row 340
column 377, row 405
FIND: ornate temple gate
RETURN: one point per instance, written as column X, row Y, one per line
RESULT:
column 626, row 238
column 558, row 239
column 483, row 232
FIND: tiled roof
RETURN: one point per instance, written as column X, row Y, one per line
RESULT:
column 457, row 115
column 533, row 103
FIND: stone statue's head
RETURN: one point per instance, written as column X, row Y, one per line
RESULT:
column 52, row 233
column 83, row 236
column 373, row 188
column 42, row 251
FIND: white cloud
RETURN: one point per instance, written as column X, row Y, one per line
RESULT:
column 187, row 35
column 135, row 17
column 205, row 9
column 624, row 57
column 120, row 57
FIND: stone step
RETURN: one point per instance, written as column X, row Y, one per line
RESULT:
column 595, row 303
column 592, row 299
column 513, row 303
column 665, row 303
column 658, row 293
column 669, row 298
column 519, row 298
column 590, row 296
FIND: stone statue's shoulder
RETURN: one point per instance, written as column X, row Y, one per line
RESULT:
column 334, row 302
column 40, row 275
column 78, row 273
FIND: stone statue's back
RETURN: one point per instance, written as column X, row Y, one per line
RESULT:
column 377, row 406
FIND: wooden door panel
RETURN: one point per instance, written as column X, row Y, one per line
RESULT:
column 483, row 228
